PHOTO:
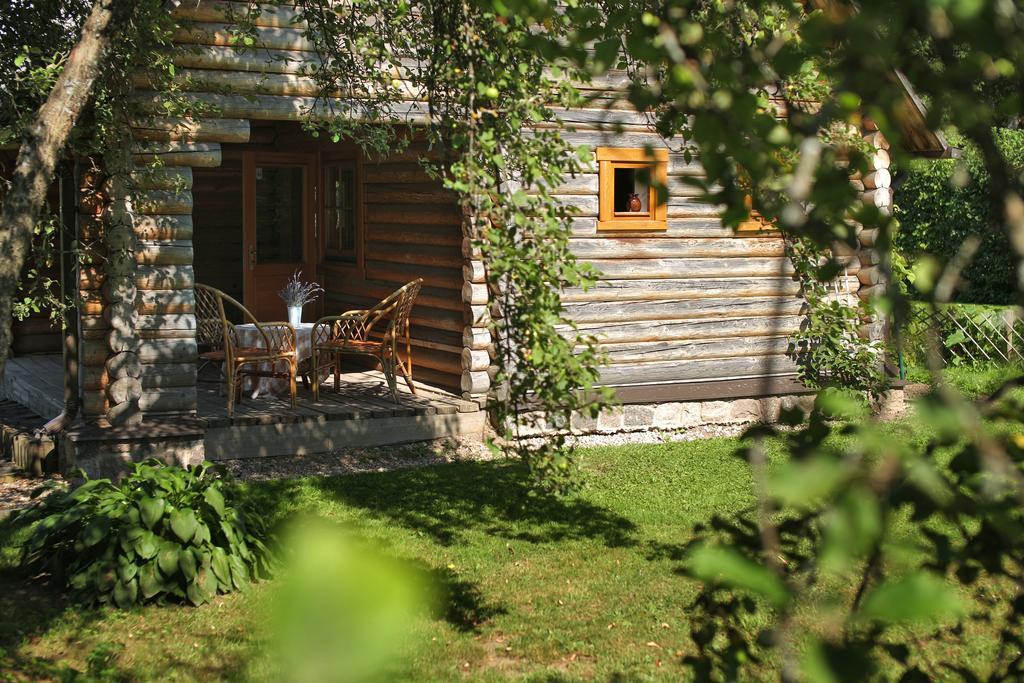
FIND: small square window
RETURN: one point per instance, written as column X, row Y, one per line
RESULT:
column 628, row 193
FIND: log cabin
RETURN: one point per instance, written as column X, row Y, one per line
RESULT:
column 694, row 316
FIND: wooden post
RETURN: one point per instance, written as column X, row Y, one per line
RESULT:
column 124, row 389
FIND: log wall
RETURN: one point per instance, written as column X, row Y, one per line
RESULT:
column 412, row 230
column 690, row 304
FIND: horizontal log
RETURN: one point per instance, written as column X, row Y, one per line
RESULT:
column 475, row 383
column 878, row 160
column 474, row 271
column 652, row 290
column 872, row 291
column 171, row 400
column 881, row 178
column 471, row 250
column 439, row 257
column 168, row 202
column 215, row 33
column 176, row 322
column 94, row 352
column 881, row 198
column 672, row 330
column 872, row 275
column 167, row 128
column 445, row 278
column 697, row 370
column 167, row 375
column 163, row 178
column 94, row 403
column 167, row 351
column 195, row 154
column 477, row 338
column 475, row 360
column 869, row 257
column 165, row 302
column 367, row 293
column 877, row 140
column 241, row 59
column 868, row 238
column 164, row 253
column 432, row 235
column 648, row 248
column 409, row 194
column 163, row 227
column 275, row 107
column 692, row 267
column 682, row 309
column 740, row 347
column 221, row 81
column 278, row 16
column 474, row 293
column 412, row 214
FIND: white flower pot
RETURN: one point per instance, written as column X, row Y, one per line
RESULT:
column 295, row 315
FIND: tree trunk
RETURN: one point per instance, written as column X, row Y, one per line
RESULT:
column 41, row 149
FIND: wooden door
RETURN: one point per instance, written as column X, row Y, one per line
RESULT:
column 279, row 235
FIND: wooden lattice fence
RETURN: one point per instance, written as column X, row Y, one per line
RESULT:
column 967, row 334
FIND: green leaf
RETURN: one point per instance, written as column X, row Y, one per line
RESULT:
column 220, row 566
column 184, row 524
column 147, row 546
column 151, row 510
column 167, row 558
column 717, row 565
column 126, row 569
column 187, row 563
column 95, row 531
column 214, row 499
column 918, row 597
column 125, row 593
column 150, row 582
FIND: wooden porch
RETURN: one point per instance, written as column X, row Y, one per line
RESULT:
column 361, row 414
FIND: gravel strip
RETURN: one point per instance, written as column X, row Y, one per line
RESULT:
column 357, row 460
column 17, row 494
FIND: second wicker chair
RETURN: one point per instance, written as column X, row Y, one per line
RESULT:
column 353, row 332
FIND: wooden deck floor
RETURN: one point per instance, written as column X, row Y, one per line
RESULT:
column 361, row 395
column 360, row 414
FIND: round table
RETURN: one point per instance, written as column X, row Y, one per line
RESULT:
column 248, row 335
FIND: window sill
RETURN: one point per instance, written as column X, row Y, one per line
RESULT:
column 624, row 224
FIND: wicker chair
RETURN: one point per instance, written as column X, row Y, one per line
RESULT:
column 351, row 331
column 217, row 333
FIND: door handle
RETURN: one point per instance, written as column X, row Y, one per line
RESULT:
column 252, row 255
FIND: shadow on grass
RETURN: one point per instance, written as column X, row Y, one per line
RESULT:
column 31, row 606
column 447, row 501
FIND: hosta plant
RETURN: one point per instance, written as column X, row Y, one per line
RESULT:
column 162, row 533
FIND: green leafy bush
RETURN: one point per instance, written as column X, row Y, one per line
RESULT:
column 163, row 532
column 943, row 201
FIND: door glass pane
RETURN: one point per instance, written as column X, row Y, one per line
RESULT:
column 339, row 213
column 279, row 209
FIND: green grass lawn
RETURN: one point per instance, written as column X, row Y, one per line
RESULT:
column 529, row 587
column 526, row 588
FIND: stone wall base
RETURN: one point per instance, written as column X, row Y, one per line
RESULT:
column 699, row 415
column 113, row 458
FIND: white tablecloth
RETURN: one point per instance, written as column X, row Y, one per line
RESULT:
column 248, row 335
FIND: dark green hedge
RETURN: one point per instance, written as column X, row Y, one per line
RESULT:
column 938, row 206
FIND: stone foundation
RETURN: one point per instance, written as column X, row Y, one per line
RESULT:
column 697, row 415
column 112, row 455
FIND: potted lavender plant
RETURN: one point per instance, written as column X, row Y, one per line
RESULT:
column 297, row 294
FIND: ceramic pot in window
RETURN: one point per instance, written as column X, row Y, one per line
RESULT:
column 634, row 202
